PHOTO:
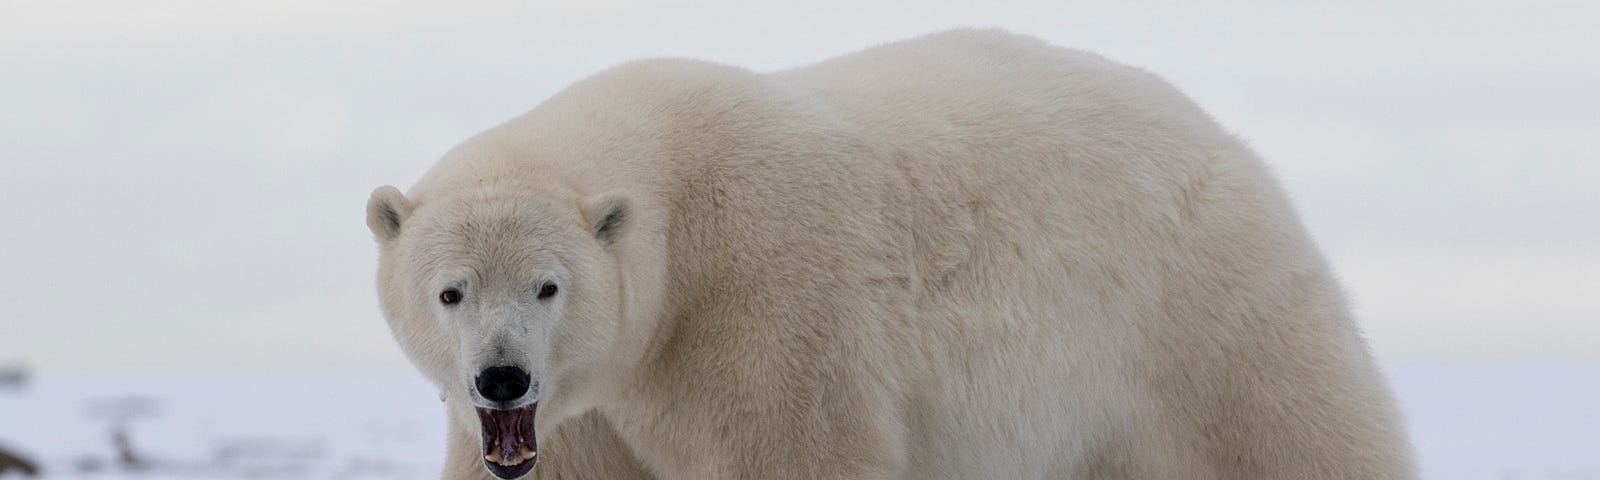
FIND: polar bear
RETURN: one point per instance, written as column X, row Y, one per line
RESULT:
column 970, row 255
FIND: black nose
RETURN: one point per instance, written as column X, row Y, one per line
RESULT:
column 503, row 384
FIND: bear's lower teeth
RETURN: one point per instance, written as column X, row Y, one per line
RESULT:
column 506, row 462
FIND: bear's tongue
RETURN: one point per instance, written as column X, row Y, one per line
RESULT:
column 509, row 450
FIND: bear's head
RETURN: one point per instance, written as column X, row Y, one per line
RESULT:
column 506, row 298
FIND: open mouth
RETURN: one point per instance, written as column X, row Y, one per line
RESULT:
column 509, row 450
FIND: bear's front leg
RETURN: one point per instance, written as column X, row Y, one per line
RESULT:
column 738, row 431
column 837, row 449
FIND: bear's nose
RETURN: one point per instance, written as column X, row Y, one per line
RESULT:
column 503, row 384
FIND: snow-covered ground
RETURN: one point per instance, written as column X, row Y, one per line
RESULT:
column 1469, row 423
column 308, row 427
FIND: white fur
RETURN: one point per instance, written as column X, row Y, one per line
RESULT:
column 966, row 255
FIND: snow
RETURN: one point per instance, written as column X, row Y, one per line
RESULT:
column 1468, row 422
column 291, row 427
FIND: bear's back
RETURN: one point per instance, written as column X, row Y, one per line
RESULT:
column 1063, row 206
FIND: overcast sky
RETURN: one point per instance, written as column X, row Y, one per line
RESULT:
column 185, row 181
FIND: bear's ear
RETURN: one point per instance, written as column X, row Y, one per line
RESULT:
column 606, row 214
column 386, row 210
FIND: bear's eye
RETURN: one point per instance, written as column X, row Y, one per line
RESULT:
column 450, row 296
column 547, row 291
